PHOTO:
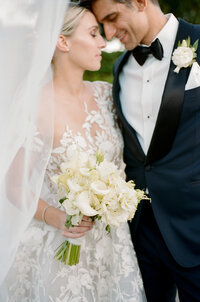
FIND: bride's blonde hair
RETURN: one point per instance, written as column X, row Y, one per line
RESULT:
column 72, row 19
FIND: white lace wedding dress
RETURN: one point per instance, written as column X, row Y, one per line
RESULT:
column 108, row 269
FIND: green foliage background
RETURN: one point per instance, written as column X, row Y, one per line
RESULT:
column 186, row 9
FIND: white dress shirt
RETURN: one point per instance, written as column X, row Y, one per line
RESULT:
column 142, row 86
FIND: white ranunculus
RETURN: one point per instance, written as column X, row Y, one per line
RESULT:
column 92, row 162
column 73, row 186
column 68, row 165
column 106, row 169
column 83, row 202
column 83, row 159
column 69, row 206
column 182, row 57
column 99, row 187
column 129, row 205
column 110, row 201
column 76, row 219
column 115, row 219
column 85, row 171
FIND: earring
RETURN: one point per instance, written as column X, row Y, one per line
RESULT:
column 67, row 49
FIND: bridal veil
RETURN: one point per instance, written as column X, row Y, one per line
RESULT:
column 28, row 34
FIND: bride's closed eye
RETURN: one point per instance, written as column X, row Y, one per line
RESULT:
column 94, row 33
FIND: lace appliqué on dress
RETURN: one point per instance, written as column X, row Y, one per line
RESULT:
column 108, row 269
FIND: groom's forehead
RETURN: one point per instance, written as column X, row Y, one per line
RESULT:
column 106, row 10
column 112, row 2
column 103, row 8
column 107, row 3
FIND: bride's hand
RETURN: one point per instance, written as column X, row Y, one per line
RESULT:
column 79, row 230
column 56, row 218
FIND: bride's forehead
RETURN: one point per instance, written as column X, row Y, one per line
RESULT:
column 88, row 20
column 89, row 17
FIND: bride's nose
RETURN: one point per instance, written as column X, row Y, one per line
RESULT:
column 102, row 42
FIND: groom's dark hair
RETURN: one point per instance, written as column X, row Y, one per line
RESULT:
column 88, row 3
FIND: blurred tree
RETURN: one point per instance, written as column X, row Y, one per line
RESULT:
column 188, row 10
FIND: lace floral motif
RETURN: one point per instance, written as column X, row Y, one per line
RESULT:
column 108, row 270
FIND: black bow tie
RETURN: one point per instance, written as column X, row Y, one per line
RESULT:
column 141, row 52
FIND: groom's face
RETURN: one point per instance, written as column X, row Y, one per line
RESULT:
column 128, row 23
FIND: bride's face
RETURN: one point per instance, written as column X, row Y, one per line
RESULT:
column 86, row 43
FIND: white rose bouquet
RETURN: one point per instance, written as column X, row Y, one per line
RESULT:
column 92, row 186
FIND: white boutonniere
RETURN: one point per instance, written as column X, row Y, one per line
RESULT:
column 185, row 54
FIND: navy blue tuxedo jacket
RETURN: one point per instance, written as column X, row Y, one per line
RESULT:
column 171, row 168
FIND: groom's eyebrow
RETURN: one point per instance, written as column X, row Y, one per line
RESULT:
column 107, row 17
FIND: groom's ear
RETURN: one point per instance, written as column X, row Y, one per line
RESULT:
column 62, row 43
column 141, row 4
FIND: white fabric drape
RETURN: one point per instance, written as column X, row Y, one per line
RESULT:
column 28, row 34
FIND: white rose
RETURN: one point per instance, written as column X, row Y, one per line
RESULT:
column 182, row 57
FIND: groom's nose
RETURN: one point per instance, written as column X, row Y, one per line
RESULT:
column 110, row 31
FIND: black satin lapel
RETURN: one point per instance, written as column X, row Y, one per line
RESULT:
column 130, row 132
column 171, row 106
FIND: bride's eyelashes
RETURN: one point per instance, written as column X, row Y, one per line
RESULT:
column 94, row 34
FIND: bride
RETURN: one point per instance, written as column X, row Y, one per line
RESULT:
column 84, row 118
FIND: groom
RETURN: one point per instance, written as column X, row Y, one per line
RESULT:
column 159, row 110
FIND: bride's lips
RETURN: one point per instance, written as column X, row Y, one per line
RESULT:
column 99, row 56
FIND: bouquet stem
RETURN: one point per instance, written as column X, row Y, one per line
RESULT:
column 68, row 253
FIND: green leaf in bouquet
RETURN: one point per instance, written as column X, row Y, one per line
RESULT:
column 62, row 200
column 99, row 157
column 68, row 222
column 96, row 217
column 108, row 228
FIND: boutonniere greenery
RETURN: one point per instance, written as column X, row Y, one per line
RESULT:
column 185, row 54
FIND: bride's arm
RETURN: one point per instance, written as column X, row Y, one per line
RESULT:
column 56, row 218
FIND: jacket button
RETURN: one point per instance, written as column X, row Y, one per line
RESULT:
column 148, row 168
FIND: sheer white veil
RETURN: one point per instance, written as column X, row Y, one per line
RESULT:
column 28, row 34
